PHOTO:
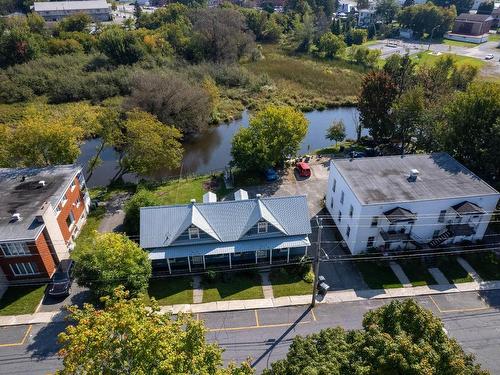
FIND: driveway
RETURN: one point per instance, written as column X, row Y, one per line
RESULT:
column 78, row 296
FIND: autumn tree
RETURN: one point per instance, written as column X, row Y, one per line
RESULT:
column 336, row 131
column 273, row 135
column 378, row 92
column 128, row 337
column 110, row 260
column 398, row 338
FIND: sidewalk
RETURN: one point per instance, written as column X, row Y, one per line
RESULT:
column 349, row 295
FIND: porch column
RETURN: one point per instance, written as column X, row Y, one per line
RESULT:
column 230, row 265
column 204, row 265
column 270, row 256
column 168, row 264
column 305, row 252
column 256, row 259
column 189, row 264
column 288, row 255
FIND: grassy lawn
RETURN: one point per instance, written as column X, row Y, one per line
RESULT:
column 237, row 286
column 172, row 290
column 453, row 271
column 93, row 220
column 486, row 265
column 426, row 58
column 417, row 272
column 182, row 190
column 458, row 43
column 21, row 300
column 494, row 37
column 286, row 284
column 378, row 275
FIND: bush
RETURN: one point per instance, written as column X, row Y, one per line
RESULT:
column 143, row 198
column 359, row 36
column 309, row 277
column 63, row 46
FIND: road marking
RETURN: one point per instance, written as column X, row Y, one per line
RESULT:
column 22, row 341
column 256, row 327
column 313, row 315
column 458, row 310
column 256, row 318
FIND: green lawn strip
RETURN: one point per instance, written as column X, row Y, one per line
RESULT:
column 458, row 43
column 486, row 264
column 236, row 286
column 453, row 271
column 285, row 284
column 378, row 275
column 494, row 37
column 180, row 191
column 93, row 220
column 417, row 272
column 21, row 300
column 426, row 58
column 171, row 290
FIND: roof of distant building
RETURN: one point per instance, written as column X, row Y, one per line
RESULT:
column 468, row 17
column 23, row 193
column 387, row 179
column 47, row 6
column 226, row 221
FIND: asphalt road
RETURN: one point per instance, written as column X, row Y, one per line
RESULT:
column 264, row 335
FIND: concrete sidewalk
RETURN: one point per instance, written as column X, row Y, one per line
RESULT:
column 349, row 295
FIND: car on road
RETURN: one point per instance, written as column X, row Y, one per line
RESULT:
column 303, row 169
column 357, row 154
column 271, row 175
column 60, row 284
column 489, row 57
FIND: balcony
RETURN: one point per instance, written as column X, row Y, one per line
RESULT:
column 393, row 236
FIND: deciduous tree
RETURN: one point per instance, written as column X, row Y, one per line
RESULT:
column 331, row 45
column 336, row 131
column 143, row 198
column 387, row 10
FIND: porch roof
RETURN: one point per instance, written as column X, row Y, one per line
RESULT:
column 229, row 247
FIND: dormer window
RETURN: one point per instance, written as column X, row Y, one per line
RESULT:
column 262, row 227
column 194, row 233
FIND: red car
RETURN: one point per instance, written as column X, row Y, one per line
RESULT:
column 303, row 169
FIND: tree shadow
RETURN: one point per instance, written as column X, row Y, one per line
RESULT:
column 45, row 343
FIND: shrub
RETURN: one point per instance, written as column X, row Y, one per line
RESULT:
column 143, row 198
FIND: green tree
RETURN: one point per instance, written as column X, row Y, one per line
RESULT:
column 273, row 135
column 408, row 112
column 143, row 198
column 336, row 131
column 427, row 18
column 110, row 260
column 76, row 22
column 462, row 6
column 120, row 46
column 401, row 69
column 146, row 145
column 472, row 129
column 127, row 336
column 57, row 46
column 378, row 92
column 387, row 10
column 36, row 23
column 364, row 56
column 18, row 45
column 359, row 36
column 398, row 338
column 331, row 45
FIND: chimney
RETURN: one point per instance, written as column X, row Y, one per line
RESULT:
column 193, row 201
column 413, row 175
column 240, row 195
column 41, row 183
column 209, row 197
column 258, row 196
column 16, row 217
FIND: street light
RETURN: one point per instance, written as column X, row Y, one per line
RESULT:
column 432, row 34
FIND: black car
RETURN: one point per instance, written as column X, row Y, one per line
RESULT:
column 60, row 285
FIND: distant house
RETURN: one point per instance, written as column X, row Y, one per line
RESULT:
column 473, row 28
column 407, row 202
column 42, row 212
column 366, row 17
column 195, row 236
column 99, row 10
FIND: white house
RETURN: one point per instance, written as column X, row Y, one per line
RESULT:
column 99, row 10
column 407, row 202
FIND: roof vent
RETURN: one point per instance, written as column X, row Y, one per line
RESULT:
column 413, row 175
column 209, row 197
column 16, row 217
column 193, row 200
column 41, row 183
column 258, row 196
column 240, row 195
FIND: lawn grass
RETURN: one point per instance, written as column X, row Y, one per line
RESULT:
column 182, row 190
column 171, row 290
column 452, row 270
column 93, row 220
column 236, row 286
column 425, row 58
column 417, row 272
column 486, row 264
column 286, row 284
column 458, row 43
column 494, row 37
column 378, row 275
column 21, row 300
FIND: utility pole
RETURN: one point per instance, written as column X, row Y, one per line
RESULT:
column 316, row 265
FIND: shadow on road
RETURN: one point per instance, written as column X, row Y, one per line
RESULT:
column 45, row 342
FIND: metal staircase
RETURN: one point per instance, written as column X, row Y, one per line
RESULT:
column 440, row 239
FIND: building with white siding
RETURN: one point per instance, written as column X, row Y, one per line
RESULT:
column 99, row 10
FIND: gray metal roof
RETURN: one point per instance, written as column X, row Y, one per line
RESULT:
column 226, row 221
column 20, row 192
column 385, row 179
column 47, row 6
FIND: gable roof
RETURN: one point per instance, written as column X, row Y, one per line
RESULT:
column 226, row 221
column 467, row 207
column 399, row 214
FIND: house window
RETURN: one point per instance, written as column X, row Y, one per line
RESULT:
column 261, row 253
column 370, row 241
column 15, row 249
column 262, row 227
column 331, row 203
column 194, row 233
column 64, row 200
column 374, row 221
column 342, row 198
column 348, row 231
column 73, row 185
column 70, row 220
column 340, row 216
column 334, row 185
column 77, row 203
column 351, row 211
column 197, row 260
column 441, row 216
column 20, row 269
column 236, row 255
column 436, row 233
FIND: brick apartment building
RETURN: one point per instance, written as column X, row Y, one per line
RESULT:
column 42, row 212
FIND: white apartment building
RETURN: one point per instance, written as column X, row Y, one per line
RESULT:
column 407, row 202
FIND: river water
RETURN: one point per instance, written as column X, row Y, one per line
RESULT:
column 211, row 150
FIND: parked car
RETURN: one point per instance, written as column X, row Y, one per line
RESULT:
column 489, row 56
column 60, row 284
column 357, row 154
column 303, row 169
column 271, row 175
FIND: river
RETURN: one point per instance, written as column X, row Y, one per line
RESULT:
column 211, row 150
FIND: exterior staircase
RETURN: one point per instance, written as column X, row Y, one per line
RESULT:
column 440, row 239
